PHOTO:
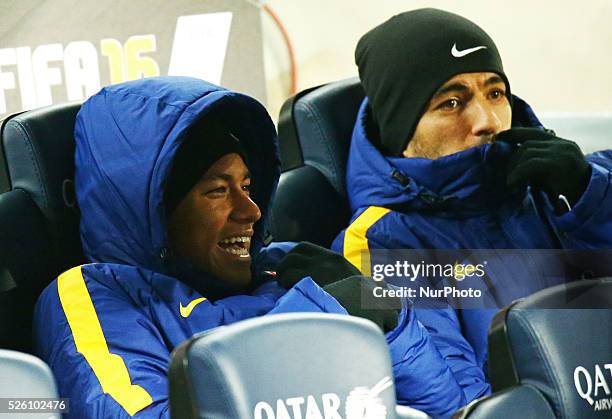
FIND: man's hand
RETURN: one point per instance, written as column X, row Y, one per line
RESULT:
column 547, row 162
column 307, row 259
column 382, row 311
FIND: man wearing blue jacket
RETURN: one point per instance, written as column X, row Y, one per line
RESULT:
column 173, row 181
column 444, row 157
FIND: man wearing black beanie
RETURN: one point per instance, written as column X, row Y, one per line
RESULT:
column 436, row 86
column 404, row 61
column 443, row 156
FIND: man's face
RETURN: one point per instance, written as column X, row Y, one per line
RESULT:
column 213, row 224
column 467, row 111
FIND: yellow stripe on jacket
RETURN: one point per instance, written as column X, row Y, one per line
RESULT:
column 110, row 369
column 356, row 249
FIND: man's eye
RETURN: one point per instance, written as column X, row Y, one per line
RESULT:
column 450, row 104
column 219, row 190
column 497, row 94
column 246, row 188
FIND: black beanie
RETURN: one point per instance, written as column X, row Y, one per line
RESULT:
column 403, row 61
column 205, row 142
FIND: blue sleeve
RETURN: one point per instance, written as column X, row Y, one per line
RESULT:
column 435, row 371
column 444, row 329
column 589, row 224
column 307, row 296
column 109, row 363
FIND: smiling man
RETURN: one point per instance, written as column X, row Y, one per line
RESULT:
column 443, row 156
column 220, row 243
column 212, row 178
column 169, row 221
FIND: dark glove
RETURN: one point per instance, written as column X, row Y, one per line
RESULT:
column 307, row 259
column 384, row 311
column 547, row 162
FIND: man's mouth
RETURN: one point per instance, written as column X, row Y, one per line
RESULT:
column 236, row 245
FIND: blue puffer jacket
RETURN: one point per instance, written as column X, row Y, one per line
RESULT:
column 107, row 328
column 460, row 202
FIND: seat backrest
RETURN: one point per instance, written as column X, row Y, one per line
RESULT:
column 558, row 340
column 264, row 367
column 25, row 376
column 315, row 129
column 39, row 232
column 523, row 402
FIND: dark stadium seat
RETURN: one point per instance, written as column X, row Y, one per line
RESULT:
column 263, row 368
column 315, row 130
column 38, row 217
column 523, row 402
column 550, row 352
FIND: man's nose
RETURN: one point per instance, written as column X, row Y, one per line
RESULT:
column 484, row 118
column 245, row 210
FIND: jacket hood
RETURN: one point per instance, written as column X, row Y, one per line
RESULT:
column 126, row 138
column 465, row 183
